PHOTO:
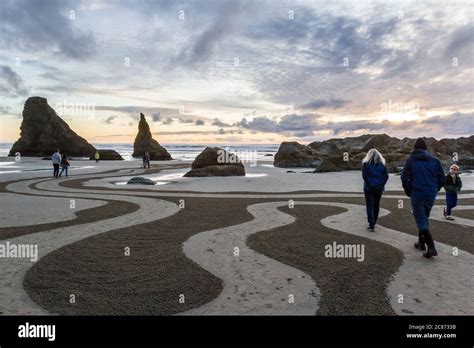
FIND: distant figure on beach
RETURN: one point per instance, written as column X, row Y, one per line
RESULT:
column 97, row 157
column 56, row 158
column 375, row 177
column 64, row 165
column 452, row 186
column 146, row 160
column 422, row 178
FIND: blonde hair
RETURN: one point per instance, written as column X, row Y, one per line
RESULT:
column 455, row 166
column 374, row 156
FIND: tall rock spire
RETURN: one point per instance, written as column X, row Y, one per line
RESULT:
column 145, row 142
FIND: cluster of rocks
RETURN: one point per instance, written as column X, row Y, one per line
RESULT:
column 108, row 155
column 347, row 153
column 43, row 131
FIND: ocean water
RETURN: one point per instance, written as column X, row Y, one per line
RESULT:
column 186, row 152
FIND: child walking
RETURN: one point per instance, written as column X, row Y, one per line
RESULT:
column 452, row 186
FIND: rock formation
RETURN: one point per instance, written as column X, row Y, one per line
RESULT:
column 107, row 155
column 328, row 155
column 43, row 131
column 138, row 180
column 145, row 142
column 293, row 154
column 214, row 161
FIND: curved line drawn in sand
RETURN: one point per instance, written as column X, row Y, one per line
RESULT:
column 253, row 282
column 442, row 286
column 433, row 287
column 13, row 298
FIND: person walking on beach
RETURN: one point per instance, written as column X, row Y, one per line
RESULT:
column 64, row 165
column 146, row 160
column 422, row 178
column 452, row 186
column 96, row 156
column 56, row 158
column 375, row 177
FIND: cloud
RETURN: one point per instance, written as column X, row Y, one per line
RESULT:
column 155, row 116
column 334, row 103
column 168, row 121
column 461, row 39
column 11, row 84
column 31, row 25
column 225, row 22
column 292, row 124
column 218, row 123
column 109, row 119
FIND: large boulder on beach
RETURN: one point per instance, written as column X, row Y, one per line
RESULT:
column 138, row 180
column 328, row 155
column 107, row 155
column 43, row 131
column 144, row 142
column 293, row 154
column 214, row 161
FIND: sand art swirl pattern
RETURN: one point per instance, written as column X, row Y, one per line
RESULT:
column 254, row 283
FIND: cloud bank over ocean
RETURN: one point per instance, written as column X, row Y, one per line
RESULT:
column 243, row 71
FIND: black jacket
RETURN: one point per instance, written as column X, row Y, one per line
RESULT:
column 451, row 185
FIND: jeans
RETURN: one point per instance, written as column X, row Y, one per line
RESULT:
column 64, row 168
column 56, row 169
column 451, row 201
column 421, row 208
column 372, row 203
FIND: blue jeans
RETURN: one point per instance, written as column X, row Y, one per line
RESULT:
column 64, row 168
column 372, row 204
column 421, row 208
column 451, row 201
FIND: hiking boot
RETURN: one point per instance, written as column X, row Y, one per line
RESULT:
column 420, row 245
column 445, row 213
column 371, row 228
column 430, row 253
column 431, row 245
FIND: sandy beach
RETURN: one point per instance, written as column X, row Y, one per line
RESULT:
column 182, row 236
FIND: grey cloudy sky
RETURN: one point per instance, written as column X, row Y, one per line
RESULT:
column 250, row 71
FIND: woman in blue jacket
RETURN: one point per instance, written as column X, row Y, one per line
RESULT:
column 375, row 176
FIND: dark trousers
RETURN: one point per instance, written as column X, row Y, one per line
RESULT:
column 372, row 203
column 63, row 169
column 421, row 208
column 451, row 201
column 56, row 170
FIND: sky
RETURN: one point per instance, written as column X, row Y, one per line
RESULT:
column 228, row 71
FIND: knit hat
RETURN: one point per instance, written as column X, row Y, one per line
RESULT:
column 454, row 166
column 420, row 144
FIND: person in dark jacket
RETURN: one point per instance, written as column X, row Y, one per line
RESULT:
column 422, row 178
column 375, row 177
column 64, row 165
column 452, row 186
column 146, row 160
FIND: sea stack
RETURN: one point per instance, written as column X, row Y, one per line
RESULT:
column 145, row 142
column 43, row 131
